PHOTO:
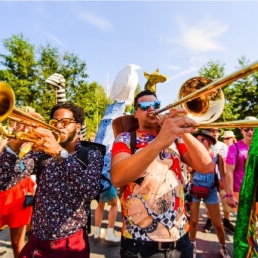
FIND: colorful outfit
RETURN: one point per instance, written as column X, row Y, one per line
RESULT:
column 62, row 199
column 206, row 180
column 12, row 212
column 154, row 218
column 237, row 156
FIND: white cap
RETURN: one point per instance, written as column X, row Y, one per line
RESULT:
column 250, row 118
column 228, row 134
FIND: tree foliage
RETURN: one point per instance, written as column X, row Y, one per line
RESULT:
column 240, row 96
column 26, row 68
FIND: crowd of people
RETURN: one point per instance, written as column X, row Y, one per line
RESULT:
column 146, row 165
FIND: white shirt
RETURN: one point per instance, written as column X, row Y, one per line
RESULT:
column 221, row 148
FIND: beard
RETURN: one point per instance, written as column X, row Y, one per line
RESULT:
column 69, row 139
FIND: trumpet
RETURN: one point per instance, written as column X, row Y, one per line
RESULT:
column 8, row 111
column 203, row 98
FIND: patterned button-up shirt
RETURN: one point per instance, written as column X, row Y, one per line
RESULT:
column 64, row 190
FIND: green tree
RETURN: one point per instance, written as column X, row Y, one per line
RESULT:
column 25, row 69
column 240, row 96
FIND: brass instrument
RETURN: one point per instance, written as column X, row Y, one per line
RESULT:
column 204, row 99
column 8, row 111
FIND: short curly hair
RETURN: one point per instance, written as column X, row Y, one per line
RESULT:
column 78, row 112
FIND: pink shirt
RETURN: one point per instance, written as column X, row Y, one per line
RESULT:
column 238, row 158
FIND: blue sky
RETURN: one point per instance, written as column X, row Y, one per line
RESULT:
column 178, row 37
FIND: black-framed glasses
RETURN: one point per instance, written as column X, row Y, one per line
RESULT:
column 64, row 122
column 146, row 105
column 248, row 129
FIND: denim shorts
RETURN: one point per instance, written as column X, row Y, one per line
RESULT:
column 211, row 199
column 137, row 249
column 108, row 195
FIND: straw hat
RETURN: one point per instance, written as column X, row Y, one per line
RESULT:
column 207, row 134
column 228, row 134
column 250, row 118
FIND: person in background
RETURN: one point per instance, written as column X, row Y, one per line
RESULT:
column 13, row 211
column 212, row 201
column 109, row 196
column 65, row 186
column 222, row 149
column 235, row 164
column 92, row 137
column 154, row 221
column 229, row 138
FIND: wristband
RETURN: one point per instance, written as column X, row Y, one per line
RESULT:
column 224, row 197
column 230, row 195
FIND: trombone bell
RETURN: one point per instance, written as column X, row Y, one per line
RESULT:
column 205, row 108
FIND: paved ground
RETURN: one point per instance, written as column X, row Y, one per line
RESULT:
column 207, row 243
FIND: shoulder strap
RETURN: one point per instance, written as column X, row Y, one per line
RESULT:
column 237, row 149
column 133, row 141
column 81, row 155
column 42, row 159
column 237, row 153
column 86, row 146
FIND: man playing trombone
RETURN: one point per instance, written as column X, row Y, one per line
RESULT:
column 154, row 219
column 65, row 186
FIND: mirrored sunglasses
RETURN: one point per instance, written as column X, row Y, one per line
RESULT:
column 64, row 122
column 146, row 105
column 248, row 129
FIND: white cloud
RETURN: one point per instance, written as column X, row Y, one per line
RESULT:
column 183, row 73
column 202, row 37
column 55, row 39
column 100, row 23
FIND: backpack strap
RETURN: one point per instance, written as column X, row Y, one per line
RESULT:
column 82, row 155
column 133, row 141
column 237, row 153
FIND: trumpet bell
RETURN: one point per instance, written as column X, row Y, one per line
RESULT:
column 207, row 107
column 7, row 100
column 8, row 111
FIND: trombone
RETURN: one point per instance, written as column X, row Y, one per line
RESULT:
column 204, row 100
column 8, row 111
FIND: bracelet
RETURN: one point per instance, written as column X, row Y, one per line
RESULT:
column 227, row 195
column 224, row 197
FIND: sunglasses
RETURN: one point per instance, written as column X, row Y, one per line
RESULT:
column 64, row 122
column 227, row 138
column 201, row 139
column 146, row 105
column 248, row 129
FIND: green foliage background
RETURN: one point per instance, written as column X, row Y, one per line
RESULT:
column 25, row 68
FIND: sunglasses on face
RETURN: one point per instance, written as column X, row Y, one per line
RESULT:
column 248, row 129
column 227, row 138
column 201, row 139
column 146, row 105
column 64, row 122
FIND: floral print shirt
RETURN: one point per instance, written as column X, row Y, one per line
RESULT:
column 64, row 190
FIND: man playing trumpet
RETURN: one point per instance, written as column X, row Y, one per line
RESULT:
column 65, row 186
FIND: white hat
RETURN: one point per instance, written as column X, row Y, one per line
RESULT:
column 228, row 134
column 250, row 118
